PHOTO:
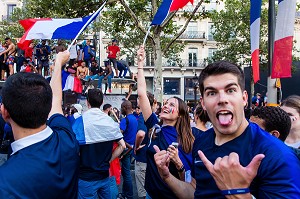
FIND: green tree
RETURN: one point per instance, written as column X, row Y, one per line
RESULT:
column 232, row 32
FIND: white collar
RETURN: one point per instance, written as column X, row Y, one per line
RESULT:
column 30, row 140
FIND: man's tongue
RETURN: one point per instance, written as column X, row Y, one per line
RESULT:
column 225, row 119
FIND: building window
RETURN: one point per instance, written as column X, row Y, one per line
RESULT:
column 10, row 10
column 149, row 59
column 192, row 29
column 171, row 86
column 193, row 54
column 211, row 52
column 211, row 30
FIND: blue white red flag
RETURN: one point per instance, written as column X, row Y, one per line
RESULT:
column 48, row 28
column 166, row 7
column 283, row 45
column 86, row 127
column 255, row 12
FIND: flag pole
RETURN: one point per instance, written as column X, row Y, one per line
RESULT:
column 86, row 24
column 148, row 32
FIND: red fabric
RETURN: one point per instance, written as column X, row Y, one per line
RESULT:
column 28, row 52
column 255, row 65
column 77, row 85
column 114, row 50
column 177, row 4
column 115, row 167
column 282, row 59
column 27, row 25
column 27, row 69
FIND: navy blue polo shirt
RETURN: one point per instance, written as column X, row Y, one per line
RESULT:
column 141, row 153
column 154, row 185
column 129, row 133
column 278, row 174
column 47, row 169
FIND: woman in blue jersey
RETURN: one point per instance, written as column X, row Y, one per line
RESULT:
column 174, row 128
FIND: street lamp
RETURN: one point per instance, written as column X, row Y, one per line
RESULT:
column 196, row 86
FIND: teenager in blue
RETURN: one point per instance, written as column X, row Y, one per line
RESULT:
column 45, row 156
column 175, row 128
column 234, row 159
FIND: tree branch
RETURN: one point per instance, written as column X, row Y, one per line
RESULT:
column 135, row 19
column 184, row 27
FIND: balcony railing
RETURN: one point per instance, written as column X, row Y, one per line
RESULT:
column 193, row 35
column 185, row 63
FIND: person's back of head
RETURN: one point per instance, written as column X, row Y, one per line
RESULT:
column 126, row 107
column 106, row 107
column 150, row 98
column 220, row 68
column 272, row 119
column 95, row 98
column 28, row 99
column 201, row 114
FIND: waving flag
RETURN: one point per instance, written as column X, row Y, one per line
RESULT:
column 255, row 11
column 48, row 28
column 283, row 46
column 166, row 7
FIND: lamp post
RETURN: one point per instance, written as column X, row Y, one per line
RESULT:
column 196, row 86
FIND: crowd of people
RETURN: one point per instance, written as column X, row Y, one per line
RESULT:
column 40, row 58
column 83, row 154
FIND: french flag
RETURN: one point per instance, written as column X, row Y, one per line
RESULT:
column 166, row 7
column 255, row 12
column 283, row 45
column 48, row 28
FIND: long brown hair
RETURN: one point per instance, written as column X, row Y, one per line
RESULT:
column 183, row 127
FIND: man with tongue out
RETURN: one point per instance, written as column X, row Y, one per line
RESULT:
column 234, row 159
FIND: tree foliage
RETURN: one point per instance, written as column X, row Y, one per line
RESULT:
column 232, row 32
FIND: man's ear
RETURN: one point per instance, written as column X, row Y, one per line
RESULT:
column 275, row 133
column 5, row 113
column 202, row 103
column 245, row 98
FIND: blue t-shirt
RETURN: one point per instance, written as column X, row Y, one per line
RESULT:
column 94, row 160
column 154, row 185
column 278, row 174
column 129, row 132
column 86, row 50
column 141, row 153
column 47, row 169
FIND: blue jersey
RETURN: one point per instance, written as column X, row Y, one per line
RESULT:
column 47, row 169
column 278, row 174
column 129, row 131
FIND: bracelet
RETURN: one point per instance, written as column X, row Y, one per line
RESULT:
column 140, row 68
column 235, row 191
column 181, row 169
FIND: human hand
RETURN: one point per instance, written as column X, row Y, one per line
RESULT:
column 162, row 161
column 173, row 154
column 62, row 57
column 228, row 173
column 141, row 54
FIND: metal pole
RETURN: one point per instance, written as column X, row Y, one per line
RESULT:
column 272, row 91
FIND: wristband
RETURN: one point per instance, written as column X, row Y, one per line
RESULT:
column 181, row 169
column 140, row 68
column 235, row 191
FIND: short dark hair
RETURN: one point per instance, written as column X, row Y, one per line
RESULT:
column 150, row 98
column 95, row 98
column 220, row 68
column 201, row 114
column 106, row 106
column 7, row 38
column 28, row 99
column 274, row 118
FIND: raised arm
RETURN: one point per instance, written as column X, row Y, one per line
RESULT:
column 142, row 87
column 55, row 82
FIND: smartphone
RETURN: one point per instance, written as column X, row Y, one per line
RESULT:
column 175, row 144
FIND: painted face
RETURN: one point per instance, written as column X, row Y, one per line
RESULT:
column 295, row 117
column 170, row 110
column 224, row 102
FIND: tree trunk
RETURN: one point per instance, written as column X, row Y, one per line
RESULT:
column 157, row 80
